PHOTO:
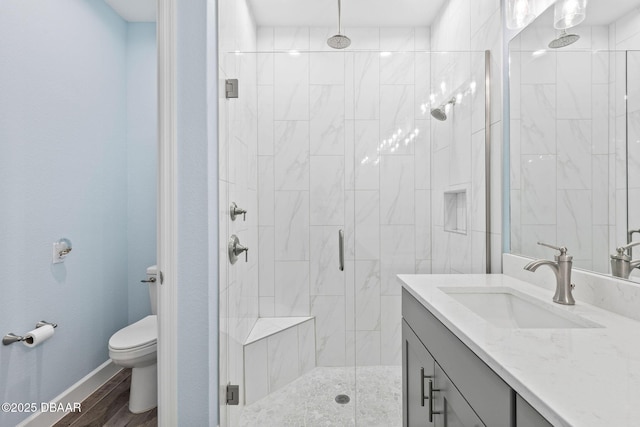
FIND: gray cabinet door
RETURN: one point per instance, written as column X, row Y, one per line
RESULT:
column 526, row 416
column 451, row 409
column 417, row 369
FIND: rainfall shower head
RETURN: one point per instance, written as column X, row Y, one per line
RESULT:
column 563, row 40
column 440, row 113
column 339, row 41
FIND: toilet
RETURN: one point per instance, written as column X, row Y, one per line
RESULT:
column 135, row 347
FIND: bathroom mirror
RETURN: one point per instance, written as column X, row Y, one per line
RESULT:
column 575, row 135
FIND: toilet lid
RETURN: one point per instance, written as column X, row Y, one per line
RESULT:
column 139, row 334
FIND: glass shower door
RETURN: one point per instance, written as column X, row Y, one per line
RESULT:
column 285, row 336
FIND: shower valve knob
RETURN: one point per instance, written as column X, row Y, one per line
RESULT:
column 235, row 211
column 235, row 249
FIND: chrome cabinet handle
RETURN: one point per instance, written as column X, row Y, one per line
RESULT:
column 431, row 411
column 422, row 378
column 341, row 249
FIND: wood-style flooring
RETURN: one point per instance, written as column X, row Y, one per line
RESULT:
column 108, row 406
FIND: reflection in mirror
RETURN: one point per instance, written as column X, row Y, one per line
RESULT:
column 575, row 137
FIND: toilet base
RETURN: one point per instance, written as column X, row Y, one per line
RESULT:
column 143, row 395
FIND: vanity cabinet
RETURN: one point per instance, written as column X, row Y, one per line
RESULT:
column 464, row 390
column 526, row 416
column 431, row 399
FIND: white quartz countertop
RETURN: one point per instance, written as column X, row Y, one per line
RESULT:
column 573, row 377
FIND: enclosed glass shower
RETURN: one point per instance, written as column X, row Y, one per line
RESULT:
column 347, row 180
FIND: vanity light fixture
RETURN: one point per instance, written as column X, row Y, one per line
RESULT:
column 569, row 13
column 519, row 13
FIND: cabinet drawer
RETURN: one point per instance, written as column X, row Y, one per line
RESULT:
column 486, row 392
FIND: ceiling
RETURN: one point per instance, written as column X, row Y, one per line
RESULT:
column 134, row 10
column 355, row 13
column 604, row 12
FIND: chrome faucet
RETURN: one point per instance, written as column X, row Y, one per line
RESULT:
column 562, row 269
column 621, row 263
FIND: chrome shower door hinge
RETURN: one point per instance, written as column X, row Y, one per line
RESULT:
column 233, row 394
column 231, row 88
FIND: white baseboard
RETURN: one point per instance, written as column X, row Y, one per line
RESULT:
column 76, row 393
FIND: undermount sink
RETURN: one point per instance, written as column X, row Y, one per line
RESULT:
column 508, row 308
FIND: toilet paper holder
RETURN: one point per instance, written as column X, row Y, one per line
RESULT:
column 10, row 338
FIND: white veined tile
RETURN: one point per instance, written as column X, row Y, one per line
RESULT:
column 575, row 222
column 574, row 85
column 367, row 225
column 292, row 225
column 292, row 288
column 326, row 121
column 391, row 330
column 397, row 68
column 423, row 224
column 265, row 120
column 256, row 378
column 397, row 256
column 397, row 190
column 291, row 38
column 291, row 152
column 367, row 82
column 538, row 119
column 367, row 348
column 367, row 295
column 306, row 346
column 325, row 277
column 327, row 68
column 291, row 86
column 397, row 39
column 283, row 358
column 266, row 191
column 327, row 190
column 367, row 159
column 266, row 261
column 397, row 123
column 574, row 154
column 538, row 190
column 329, row 312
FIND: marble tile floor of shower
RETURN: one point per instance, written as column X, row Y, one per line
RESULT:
column 309, row 401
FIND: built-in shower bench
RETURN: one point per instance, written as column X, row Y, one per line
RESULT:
column 277, row 351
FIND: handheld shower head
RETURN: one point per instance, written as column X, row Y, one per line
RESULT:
column 440, row 113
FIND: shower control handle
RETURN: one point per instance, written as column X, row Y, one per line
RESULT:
column 235, row 211
column 235, row 249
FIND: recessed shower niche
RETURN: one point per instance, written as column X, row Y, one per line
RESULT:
column 455, row 211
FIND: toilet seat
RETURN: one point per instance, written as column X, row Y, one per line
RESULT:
column 141, row 336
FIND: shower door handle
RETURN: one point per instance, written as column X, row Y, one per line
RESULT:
column 341, row 250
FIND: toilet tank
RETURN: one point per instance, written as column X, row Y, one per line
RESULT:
column 152, row 273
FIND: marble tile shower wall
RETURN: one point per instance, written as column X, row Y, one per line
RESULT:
column 323, row 164
column 463, row 26
column 560, row 143
column 238, row 146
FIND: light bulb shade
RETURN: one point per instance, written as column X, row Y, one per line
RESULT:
column 569, row 13
column 519, row 13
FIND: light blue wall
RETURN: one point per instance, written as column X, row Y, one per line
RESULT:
column 64, row 173
column 142, row 159
column 197, row 215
